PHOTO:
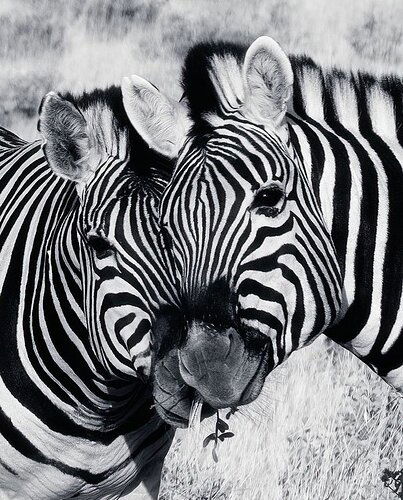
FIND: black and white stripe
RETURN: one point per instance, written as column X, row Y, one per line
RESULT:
column 329, row 258
column 348, row 131
column 82, row 276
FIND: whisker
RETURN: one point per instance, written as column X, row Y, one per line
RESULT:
column 195, row 412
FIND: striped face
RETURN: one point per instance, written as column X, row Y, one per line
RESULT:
column 124, row 276
column 256, row 264
column 257, row 276
column 119, row 181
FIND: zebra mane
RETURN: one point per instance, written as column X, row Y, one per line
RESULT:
column 10, row 140
column 111, row 130
column 356, row 100
column 212, row 85
column 211, row 81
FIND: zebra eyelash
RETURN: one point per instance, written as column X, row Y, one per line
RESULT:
column 269, row 200
column 100, row 245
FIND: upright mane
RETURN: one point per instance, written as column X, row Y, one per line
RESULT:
column 9, row 140
column 212, row 81
column 212, row 84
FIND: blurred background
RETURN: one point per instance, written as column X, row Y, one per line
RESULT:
column 77, row 44
column 325, row 427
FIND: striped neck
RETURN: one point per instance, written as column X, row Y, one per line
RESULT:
column 40, row 249
column 62, row 414
column 346, row 131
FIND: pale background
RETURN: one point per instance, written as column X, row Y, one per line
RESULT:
column 325, row 426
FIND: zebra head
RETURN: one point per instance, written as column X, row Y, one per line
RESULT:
column 120, row 260
column 255, row 264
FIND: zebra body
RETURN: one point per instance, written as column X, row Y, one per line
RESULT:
column 347, row 131
column 82, row 275
column 291, row 214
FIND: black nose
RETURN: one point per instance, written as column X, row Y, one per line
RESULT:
column 214, row 304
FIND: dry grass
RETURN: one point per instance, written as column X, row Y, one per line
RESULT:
column 326, row 427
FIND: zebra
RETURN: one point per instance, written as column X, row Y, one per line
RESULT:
column 283, row 218
column 83, row 273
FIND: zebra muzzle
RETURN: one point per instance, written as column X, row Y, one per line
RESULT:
column 216, row 363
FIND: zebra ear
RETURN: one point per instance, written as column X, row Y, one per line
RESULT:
column 161, row 122
column 268, row 79
column 66, row 142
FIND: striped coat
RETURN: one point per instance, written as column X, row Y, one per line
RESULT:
column 282, row 218
column 82, row 276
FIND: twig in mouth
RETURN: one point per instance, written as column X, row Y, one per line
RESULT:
column 221, row 432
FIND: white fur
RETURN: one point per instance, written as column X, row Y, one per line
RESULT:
column 346, row 103
column 268, row 80
column 161, row 122
column 381, row 112
column 312, row 93
column 227, row 79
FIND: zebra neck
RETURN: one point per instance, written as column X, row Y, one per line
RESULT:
column 55, row 370
column 357, row 177
column 101, row 397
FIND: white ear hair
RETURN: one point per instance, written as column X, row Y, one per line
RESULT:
column 64, row 131
column 161, row 122
column 268, row 80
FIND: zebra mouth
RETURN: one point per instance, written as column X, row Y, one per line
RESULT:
column 179, row 413
column 225, row 382
column 225, row 365
column 219, row 366
column 172, row 396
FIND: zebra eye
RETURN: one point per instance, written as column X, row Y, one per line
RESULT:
column 268, row 200
column 101, row 246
